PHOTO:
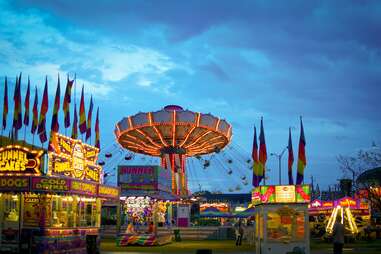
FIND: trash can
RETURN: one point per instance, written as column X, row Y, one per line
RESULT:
column 176, row 232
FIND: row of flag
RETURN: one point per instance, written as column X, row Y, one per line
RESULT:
column 260, row 157
column 39, row 120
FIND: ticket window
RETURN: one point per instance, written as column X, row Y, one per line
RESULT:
column 88, row 212
column 64, row 211
column 285, row 225
column 10, row 210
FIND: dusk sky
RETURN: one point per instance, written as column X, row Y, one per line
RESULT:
column 238, row 60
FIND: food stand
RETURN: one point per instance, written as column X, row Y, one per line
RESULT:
column 281, row 215
column 56, row 211
column 146, row 195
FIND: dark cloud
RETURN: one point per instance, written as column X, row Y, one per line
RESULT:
column 236, row 59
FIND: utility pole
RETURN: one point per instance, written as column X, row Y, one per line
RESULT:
column 279, row 156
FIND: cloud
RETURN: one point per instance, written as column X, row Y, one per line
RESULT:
column 239, row 61
column 39, row 49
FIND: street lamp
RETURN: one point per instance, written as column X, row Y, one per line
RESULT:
column 279, row 156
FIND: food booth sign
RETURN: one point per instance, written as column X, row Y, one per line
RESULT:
column 14, row 183
column 137, row 177
column 83, row 188
column 72, row 158
column 108, row 192
column 50, row 184
column 281, row 194
column 15, row 159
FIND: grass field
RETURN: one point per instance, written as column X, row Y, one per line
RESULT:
column 228, row 246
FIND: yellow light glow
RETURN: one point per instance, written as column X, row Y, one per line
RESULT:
column 197, row 139
column 174, row 128
column 149, row 139
column 187, row 136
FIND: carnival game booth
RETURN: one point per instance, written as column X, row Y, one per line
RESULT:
column 57, row 211
column 214, row 214
column 281, row 214
column 354, row 214
column 146, row 204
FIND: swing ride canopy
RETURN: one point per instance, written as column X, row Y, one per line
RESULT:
column 173, row 130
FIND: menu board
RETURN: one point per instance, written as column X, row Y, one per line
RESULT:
column 284, row 194
column 74, row 159
column 281, row 194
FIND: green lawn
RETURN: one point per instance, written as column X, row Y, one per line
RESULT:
column 228, row 246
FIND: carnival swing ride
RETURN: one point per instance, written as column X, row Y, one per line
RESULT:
column 196, row 147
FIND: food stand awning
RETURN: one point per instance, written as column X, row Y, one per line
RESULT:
column 214, row 212
column 246, row 213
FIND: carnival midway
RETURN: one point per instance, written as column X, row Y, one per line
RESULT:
column 54, row 196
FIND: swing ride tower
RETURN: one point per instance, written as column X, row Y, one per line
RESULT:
column 173, row 134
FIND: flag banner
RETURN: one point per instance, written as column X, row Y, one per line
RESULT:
column 262, row 153
column 89, row 115
column 17, row 113
column 302, row 161
column 44, row 109
column 97, row 138
column 290, row 159
column 35, row 113
column 5, row 104
column 254, row 156
column 82, row 114
column 26, row 104
column 74, row 131
column 67, row 101
column 55, row 125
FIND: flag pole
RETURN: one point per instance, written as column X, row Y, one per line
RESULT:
column 24, row 133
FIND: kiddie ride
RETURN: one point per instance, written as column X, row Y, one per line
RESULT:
column 281, row 214
column 354, row 214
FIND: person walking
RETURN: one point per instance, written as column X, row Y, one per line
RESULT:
column 338, row 236
column 239, row 234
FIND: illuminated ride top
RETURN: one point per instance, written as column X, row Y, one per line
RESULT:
column 173, row 134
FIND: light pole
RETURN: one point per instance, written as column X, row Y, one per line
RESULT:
column 279, row 156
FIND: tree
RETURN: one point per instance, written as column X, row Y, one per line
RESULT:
column 356, row 165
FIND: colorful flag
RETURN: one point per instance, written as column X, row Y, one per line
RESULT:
column 5, row 105
column 302, row 161
column 88, row 131
column 26, row 104
column 44, row 109
column 290, row 158
column 262, row 153
column 17, row 113
column 35, row 113
column 254, row 156
column 53, row 146
column 97, row 139
column 74, row 131
column 82, row 115
column 67, row 101
column 55, row 125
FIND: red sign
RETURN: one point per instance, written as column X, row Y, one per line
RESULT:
column 327, row 204
column 348, row 202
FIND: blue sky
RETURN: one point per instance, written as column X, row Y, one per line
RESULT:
column 238, row 60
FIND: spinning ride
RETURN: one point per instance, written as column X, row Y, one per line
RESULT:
column 173, row 134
